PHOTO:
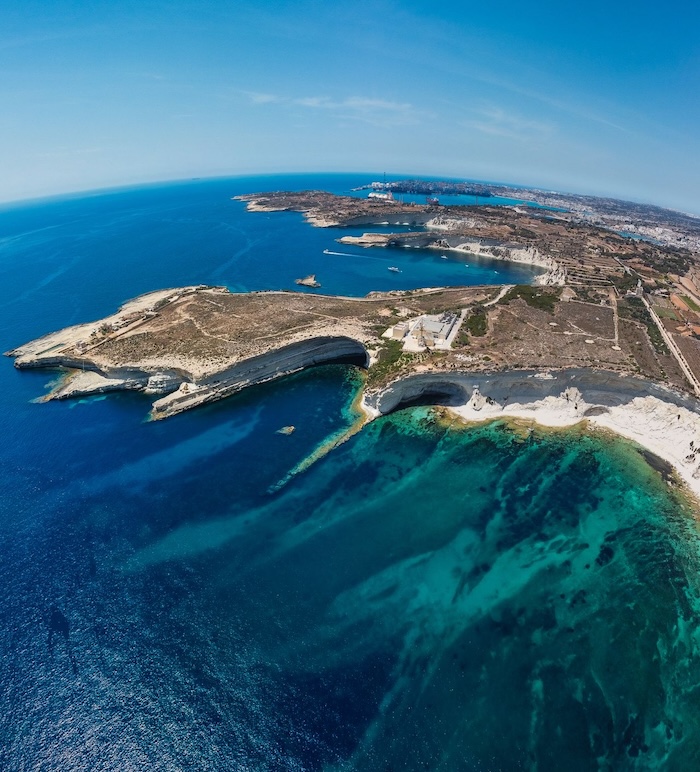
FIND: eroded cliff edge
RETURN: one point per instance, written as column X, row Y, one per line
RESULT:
column 659, row 418
column 502, row 353
column 194, row 345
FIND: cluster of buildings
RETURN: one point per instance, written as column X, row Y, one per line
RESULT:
column 428, row 331
column 382, row 196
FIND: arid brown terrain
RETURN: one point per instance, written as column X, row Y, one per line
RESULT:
column 612, row 303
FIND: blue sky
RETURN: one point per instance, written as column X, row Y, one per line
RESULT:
column 595, row 97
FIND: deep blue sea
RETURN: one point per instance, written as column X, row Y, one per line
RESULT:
column 421, row 598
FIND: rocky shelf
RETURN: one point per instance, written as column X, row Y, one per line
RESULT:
column 194, row 345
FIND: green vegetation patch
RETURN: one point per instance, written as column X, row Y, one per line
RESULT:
column 535, row 297
column 391, row 359
column 692, row 305
column 634, row 308
column 384, row 324
column 665, row 313
column 462, row 338
column 586, row 295
column 525, row 233
column 476, row 322
column 669, row 260
column 625, row 283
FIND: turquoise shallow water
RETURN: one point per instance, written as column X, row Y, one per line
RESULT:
column 423, row 597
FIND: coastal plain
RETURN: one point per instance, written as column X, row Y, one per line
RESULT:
column 603, row 303
column 207, row 342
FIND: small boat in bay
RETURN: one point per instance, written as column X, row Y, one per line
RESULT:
column 394, row 269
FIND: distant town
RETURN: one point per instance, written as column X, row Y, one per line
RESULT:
column 663, row 226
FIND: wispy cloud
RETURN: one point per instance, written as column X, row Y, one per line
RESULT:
column 258, row 98
column 41, row 38
column 577, row 109
column 64, row 152
column 361, row 104
column 369, row 109
column 499, row 123
column 152, row 76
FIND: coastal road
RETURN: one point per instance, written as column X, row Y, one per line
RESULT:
column 616, row 319
column 505, row 288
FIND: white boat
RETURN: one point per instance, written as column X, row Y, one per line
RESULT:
column 394, row 269
column 444, row 257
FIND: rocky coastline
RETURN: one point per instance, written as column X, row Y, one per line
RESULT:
column 663, row 420
column 179, row 390
column 554, row 275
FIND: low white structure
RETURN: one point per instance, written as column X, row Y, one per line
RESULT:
column 428, row 331
column 398, row 331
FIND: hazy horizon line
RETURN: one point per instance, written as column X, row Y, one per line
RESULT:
column 123, row 186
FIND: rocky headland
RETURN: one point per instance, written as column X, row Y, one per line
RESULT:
column 595, row 341
column 194, row 345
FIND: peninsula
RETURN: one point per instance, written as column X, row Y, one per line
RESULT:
column 609, row 336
